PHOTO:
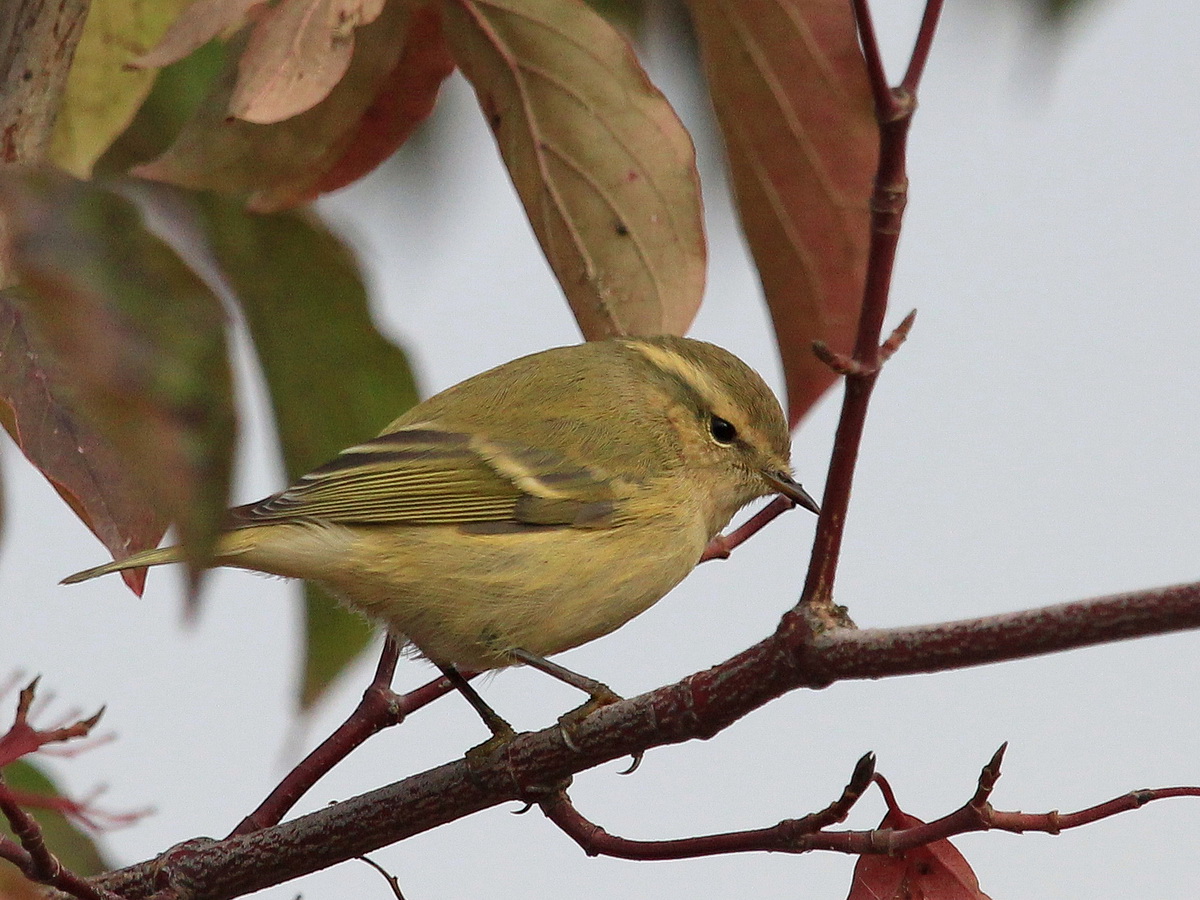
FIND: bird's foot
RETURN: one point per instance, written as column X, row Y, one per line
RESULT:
column 568, row 723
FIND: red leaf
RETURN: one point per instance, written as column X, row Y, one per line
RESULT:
column 87, row 473
column 404, row 101
column 790, row 89
column 140, row 338
column 936, row 871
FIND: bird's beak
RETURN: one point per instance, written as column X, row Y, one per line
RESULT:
column 790, row 488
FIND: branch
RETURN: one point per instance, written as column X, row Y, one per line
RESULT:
column 34, row 859
column 697, row 707
column 809, row 833
column 21, row 739
column 723, row 544
column 894, row 110
column 379, row 708
column 595, row 841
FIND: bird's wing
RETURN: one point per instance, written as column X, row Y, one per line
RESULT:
column 426, row 475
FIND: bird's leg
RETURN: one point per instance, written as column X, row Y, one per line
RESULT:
column 502, row 732
column 601, row 694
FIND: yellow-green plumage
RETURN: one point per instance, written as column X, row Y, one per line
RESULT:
column 536, row 506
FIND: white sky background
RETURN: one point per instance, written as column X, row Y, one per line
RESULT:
column 1034, row 442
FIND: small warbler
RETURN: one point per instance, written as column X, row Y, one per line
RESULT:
column 529, row 509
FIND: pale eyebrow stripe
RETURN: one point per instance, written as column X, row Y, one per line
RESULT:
column 684, row 370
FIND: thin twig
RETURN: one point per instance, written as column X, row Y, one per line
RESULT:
column 723, row 544
column 392, row 880
column 378, row 708
column 44, row 866
column 894, row 110
column 810, row 833
column 22, row 738
column 921, row 47
column 34, row 858
column 876, row 73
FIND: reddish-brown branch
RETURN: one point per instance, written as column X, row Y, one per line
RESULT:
column 26, row 830
column 723, row 544
column 876, row 74
column 21, row 739
column 809, row 833
column 379, row 708
column 697, row 707
column 12, row 851
column 846, row 365
column 921, row 47
column 595, row 841
column 34, row 859
column 893, row 109
column 977, row 814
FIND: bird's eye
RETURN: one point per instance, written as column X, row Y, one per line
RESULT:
column 722, row 430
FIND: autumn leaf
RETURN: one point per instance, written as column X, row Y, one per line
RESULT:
column 603, row 166
column 140, row 338
column 405, row 100
column 102, row 94
column 298, row 50
column 935, row 871
column 68, row 450
column 790, row 90
column 353, row 129
column 198, row 24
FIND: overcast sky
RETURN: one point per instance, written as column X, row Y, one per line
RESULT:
column 1034, row 442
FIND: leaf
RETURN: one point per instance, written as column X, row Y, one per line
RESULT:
column 74, row 849
column 601, row 162
column 334, row 379
column 84, row 469
column 334, row 636
column 298, row 50
column 404, row 101
column 936, row 871
column 1056, row 13
column 174, row 99
column 627, row 16
column 198, row 24
column 790, row 90
column 280, row 165
column 102, row 94
column 140, row 337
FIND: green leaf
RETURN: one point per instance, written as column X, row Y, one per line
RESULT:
column 628, row 16
column 334, row 379
column 177, row 94
column 67, row 841
column 334, row 636
column 102, row 94
column 139, row 335
column 1055, row 13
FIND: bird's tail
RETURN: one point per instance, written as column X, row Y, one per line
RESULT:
column 154, row 557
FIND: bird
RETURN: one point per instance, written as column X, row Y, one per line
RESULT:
column 529, row 509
